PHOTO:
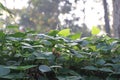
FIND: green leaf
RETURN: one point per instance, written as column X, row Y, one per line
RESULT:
column 66, row 71
column 111, row 78
column 90, row 78
column 76, row 54
column 18, row 34
column 75, row 36
column 64, row 32
column 20, row 67
column 26, row 45
column 69, row 78
column 4, row 71
column 84, row 43
column 53, row 32
column 90, row 68
column 45, row 55
column 12, row 26
column 46, row 42
column 100, row 62
column 39, row 55
column 14, row 39
column 116, row 67
column 105, row 69
column 2, row 34
column 14, row 76
column 42, row 78
column 95, row 30
column 93, row 47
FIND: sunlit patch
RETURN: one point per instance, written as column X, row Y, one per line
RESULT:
column 15, row 4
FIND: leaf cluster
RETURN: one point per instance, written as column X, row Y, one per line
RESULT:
column 58, row 55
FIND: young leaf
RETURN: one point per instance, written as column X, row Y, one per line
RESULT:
column 95, row 30
column 75, row 36
column 64, row 32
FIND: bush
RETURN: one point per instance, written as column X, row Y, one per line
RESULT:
column 58, row 55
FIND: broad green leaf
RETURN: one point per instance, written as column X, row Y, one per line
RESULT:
column 69, row 77
column 84, row 43
column 95, row 30
column 75, row 36
column 42, row 78
column 46, row 42
column 90, row 78
column 45, row 55
column 20, row 67
column 66, row 71
column 4, row 71
column 14, row 76
column 93, row 47
column 116, row 67
column 105, row 70
column 27, row 47
column 39, row 55
column 64, row 32
column 111, row 78
column 25, row 44
column 14, row 38
column 100, row 62
column 76, row 54
column 18, row 34
column 90, row 68
column 31, row 32
column 73, row 44
column 115, row 60
column 13, row 63
column 26, row 55
column 53, row 32
column 44, row 68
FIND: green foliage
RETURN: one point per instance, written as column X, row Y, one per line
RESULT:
column 24, row 55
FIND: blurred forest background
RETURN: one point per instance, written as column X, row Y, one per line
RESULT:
column 46, row 15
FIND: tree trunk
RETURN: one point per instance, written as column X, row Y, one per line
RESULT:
column 106, row 18
column 116, row 18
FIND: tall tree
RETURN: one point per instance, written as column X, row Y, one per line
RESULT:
column 116, row 18
column 43, row 14
column 106, row 18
